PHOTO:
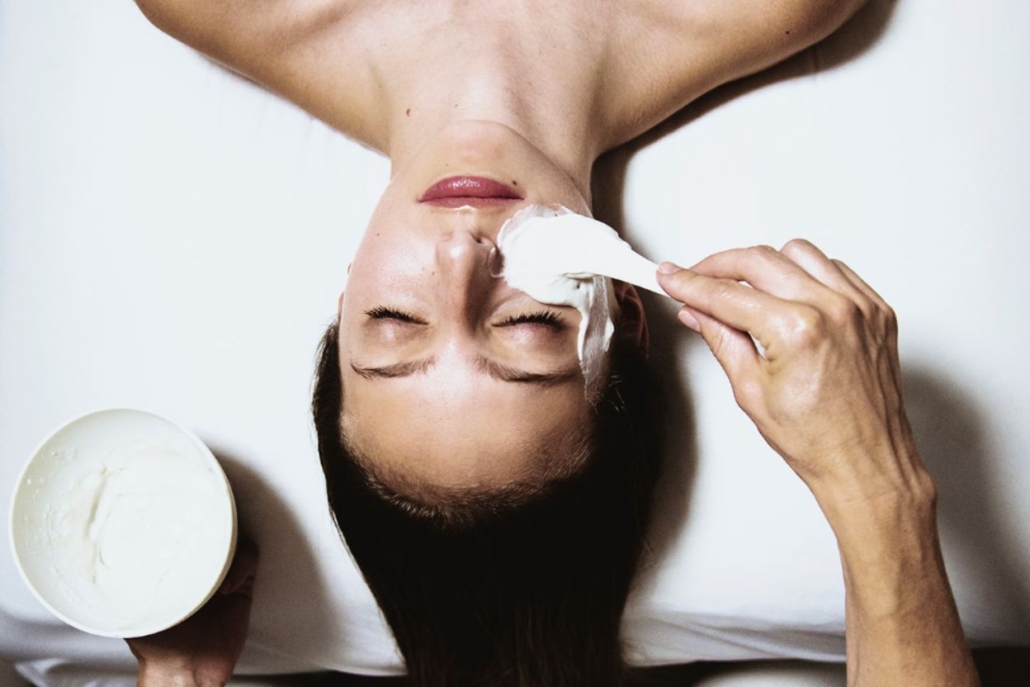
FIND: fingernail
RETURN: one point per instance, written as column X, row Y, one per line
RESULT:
column 687, row 318
column 668, row 267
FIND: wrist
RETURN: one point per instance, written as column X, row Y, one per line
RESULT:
column 890, row 551
column 876, row 492
column 890, row 517
column 902, row 622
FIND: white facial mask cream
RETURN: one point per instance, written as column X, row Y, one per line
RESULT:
column 122, row 525
column 561, row 258
column 121, row 537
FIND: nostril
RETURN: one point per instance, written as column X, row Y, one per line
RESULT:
column 495, row 262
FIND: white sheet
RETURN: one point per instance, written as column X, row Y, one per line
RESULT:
column 173, row 238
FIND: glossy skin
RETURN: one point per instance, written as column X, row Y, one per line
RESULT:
column 826, row 395
column 528, row 93
column 534, row 92
column 452, row 377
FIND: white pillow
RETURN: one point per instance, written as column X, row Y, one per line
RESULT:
column 174, row 238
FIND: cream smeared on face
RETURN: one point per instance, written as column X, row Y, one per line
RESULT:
column 534, row 255
column 563, row 258
column 453, row 377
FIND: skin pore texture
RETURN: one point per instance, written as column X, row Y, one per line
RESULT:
column 437, row 356
column 444, row 90
column 431, row 347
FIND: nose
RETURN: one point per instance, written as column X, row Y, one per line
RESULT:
column 464, row 258
column 465, row 248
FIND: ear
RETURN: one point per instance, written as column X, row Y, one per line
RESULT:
column 339, row 307
column 632, row 318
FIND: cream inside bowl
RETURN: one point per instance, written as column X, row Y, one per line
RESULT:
column 123, row 523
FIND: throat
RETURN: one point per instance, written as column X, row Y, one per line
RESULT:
column 538, row 90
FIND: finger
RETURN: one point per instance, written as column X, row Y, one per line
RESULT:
column 732, row 348
column 740, row 307
column 764, row 268
column 862, row 285
column 880, row 314
column 886, row 320
column 814, row 262
column 240, row 577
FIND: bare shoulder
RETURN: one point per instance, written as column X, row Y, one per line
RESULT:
column 693, row 46
column 770, row 24
column 300, row 49
column 227, row 27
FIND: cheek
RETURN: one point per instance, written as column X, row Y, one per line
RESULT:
column 387, row 262
column 385, row 238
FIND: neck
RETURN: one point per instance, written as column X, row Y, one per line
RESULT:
column 558, row 124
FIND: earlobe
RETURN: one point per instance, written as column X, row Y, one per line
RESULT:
column 632, row 318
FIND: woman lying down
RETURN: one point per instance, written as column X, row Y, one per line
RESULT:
column 494, row 487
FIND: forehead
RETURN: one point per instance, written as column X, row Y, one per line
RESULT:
column 466, row 430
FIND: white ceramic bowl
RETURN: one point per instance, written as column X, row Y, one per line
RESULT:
column 123, row 523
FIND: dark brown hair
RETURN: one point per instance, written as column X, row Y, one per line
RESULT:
column 520, row 587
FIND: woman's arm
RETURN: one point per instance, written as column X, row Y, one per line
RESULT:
column 202, row 650
column 304, row 50
column 670, row 52
column 825, row 392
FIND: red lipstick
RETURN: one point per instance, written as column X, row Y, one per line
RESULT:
column 475, row 191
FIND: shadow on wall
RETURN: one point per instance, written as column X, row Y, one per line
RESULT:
column 669, row 343
column 858, row 35
column 951, row 435
column 286, row 554
column 669, row 339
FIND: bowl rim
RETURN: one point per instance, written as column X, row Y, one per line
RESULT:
column 203, row 451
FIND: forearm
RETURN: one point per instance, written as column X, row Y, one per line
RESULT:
column 901, row 621
column 825, row 392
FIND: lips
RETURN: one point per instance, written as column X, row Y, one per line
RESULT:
column 474, row 191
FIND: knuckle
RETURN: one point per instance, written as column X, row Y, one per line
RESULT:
column 722, row 289
column 747, row 395
column 891, row 327
column 677, row 283
column 807, row 326
column 796, row 246
column 890, row 317
column 845, row 312
column 760, row 255
column 886, row 321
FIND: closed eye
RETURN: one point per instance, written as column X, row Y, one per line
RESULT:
column 383, row 313
column 547, row 318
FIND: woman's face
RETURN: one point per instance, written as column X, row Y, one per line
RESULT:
column 450, row 376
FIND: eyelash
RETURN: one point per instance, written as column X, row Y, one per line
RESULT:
column 383, row 313
column 547, row 318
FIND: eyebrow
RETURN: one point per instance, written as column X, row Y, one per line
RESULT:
column 496, row 370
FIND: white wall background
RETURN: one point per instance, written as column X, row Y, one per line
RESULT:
column 173, row 238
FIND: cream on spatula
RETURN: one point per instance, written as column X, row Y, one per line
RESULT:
column 541, row 241
column 561, row 258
